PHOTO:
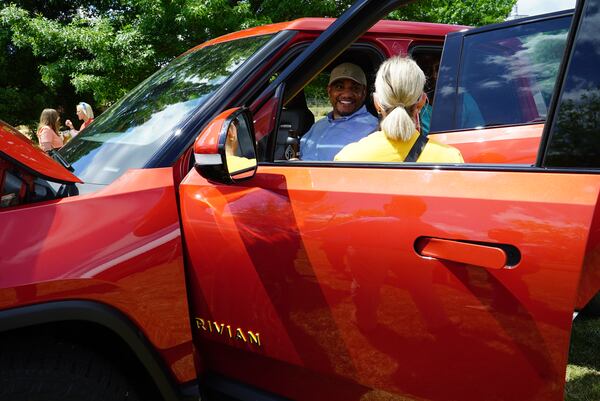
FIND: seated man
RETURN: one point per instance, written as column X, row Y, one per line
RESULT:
column 348, row 122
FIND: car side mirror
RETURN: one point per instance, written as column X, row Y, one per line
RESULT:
column 225, row 151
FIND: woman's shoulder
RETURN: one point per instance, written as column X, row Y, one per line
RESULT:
column 369, row 148
column 45, row 130
column 86, row 123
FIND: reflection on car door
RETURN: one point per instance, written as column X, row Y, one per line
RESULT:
column 376, row 282
column 322, row 262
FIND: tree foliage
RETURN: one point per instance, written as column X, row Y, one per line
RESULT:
column 464, row 12
column 59, row 52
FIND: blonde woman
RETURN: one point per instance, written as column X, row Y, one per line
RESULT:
column 84, row 113
column 398, row 89
column 48, row 129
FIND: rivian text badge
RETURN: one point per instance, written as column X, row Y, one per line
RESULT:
column 222, row 329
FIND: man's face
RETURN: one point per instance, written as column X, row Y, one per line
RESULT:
column 346, row 96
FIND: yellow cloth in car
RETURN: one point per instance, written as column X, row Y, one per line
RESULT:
column 236, row 163
column 376, row 147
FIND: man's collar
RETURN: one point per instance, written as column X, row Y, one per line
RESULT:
column 361, row 110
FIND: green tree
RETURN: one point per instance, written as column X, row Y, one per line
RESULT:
column 58, row 52
column 463, row 12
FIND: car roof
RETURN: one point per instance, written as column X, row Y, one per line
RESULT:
column 319, row 25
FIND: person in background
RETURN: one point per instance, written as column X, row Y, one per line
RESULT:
column 424, row 120
column 398, row 89
column 84, row 113
column 48, row 129
column 427, row 99
column 349, row 120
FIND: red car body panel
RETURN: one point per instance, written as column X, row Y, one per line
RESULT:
column 131, row 258
column 503, row 145
column 590, row 277
column 120, row 246
column 318, row 25
column 281, row 256
column 206, row 142
column 15, row 147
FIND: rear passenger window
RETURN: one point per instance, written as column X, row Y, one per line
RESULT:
column 507, row 76
column 574, row 140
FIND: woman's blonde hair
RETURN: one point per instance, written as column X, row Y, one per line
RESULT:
column 398, row 86
column 86, row 109
column 49, row 117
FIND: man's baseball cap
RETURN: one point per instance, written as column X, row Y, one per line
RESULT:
column 348, row 71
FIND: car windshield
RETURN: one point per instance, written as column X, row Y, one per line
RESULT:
column 129, row 133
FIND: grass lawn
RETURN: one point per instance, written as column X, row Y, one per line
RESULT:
column 583, row 371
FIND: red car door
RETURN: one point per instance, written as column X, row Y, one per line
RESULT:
column 324, row 281
column 338, row 271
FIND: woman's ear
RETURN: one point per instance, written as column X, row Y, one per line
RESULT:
column 377, row 104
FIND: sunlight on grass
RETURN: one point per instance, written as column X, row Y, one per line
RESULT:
column 583, row 371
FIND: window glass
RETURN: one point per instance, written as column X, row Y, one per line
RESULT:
column 129, row 133
column 508, row 75
column 316, row 96
column 575, row 137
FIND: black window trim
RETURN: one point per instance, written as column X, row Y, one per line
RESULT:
column 426, row 47
column 497, row 168
column 518, row 22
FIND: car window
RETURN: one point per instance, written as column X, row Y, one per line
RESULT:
column 129, row 133
column 311, row 105
column 316, row 96
column 574, row 139
column 507, row 76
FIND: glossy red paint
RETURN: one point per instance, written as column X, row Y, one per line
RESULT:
column 318, row 25
column 325, row 270
column 264, row 120
column 15, row 147
column 120, row 246
column 590, row 277
column 503, row 145
column 208, row 140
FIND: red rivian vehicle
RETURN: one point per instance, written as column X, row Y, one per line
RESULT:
column 149, row 261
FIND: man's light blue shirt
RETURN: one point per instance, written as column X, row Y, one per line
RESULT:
column 328, row 136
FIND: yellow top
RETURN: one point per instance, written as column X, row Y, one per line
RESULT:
column 378, row 148
column 237, row 163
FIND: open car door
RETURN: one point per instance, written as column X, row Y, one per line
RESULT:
column 323, row 281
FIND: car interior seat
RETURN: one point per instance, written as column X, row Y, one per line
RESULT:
column 295, row 120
